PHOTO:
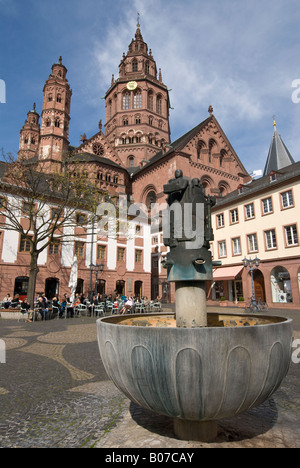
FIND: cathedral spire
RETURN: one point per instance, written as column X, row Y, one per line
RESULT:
column 278, row 156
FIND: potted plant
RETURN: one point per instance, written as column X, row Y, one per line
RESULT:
column 223, row 301
column 241, row 302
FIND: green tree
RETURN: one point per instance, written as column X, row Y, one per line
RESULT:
column 40, row 206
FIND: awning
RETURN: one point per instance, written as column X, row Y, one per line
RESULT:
column 227, row 273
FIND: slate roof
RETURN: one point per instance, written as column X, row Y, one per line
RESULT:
column 279, row 156
column 90, row 157
column 261, row 185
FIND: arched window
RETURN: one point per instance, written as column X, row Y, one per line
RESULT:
column 126, row 100
column 159, row 104
column 131, row 161
column 224, row 188
column 57, row 122
column 223, row 154
column 137, row 99
column 200, row 146
column 58, row 98
column 134, row 66
column 151, row 198
column 147, row 68
column 212, row 144
column 109, row 108
column 150, row 100
column 48, row 122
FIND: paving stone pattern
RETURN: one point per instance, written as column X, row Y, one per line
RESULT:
column 54, row 392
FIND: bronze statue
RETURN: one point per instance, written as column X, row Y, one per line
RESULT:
column 187, row 228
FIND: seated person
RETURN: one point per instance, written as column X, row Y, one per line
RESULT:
column 25, row 308
column 127, row 306
column 7, row 301
column 94, row 302
column 43, row 307
column 15, row 302
column 77, row 300
column 55, row 305
column 63, row 306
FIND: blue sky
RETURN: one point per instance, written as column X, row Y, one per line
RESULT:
column 239, row 56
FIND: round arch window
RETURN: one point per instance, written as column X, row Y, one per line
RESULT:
column 151, row 198
column 98, row 149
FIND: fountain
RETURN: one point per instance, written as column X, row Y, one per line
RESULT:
column 194, row 366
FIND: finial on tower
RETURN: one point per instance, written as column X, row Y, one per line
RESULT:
column 60, row 60
column 274, row 122
column 138, row 20
column 210, row 110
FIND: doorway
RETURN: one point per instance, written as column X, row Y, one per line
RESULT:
column 120, row 287
column 259, row 285
column 51, row 288
column 138, row 288
column 21, row 286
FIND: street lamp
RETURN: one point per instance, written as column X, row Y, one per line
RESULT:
column 252, row 264
column 97, row 269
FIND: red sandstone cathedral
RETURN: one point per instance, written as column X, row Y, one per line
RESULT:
column 132, row 153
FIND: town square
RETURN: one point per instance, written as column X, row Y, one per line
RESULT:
column 149, row 227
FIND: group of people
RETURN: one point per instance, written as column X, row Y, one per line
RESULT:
column 121, row 304
column 8, row 301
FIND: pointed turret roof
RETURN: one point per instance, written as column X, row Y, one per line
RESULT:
column 279, row 156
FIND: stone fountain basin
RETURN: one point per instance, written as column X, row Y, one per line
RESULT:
column 196, row 374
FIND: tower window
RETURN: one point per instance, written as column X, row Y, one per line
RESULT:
column 150, row 100
column 137, row 99
column 126, row 100
column 58, row 98
column 57, row 123
column 131, row 161
column 134, row 66
column 159, row 105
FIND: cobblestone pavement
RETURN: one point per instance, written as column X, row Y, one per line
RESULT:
column 54, row 392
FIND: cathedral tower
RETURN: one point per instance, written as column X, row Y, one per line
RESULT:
column 29, row 136
column 55, row 118
column 137, row 106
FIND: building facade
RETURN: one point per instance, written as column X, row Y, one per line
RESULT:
column 260, row 220
column 131, row 157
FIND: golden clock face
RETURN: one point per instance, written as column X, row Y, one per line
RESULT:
column 131, row 85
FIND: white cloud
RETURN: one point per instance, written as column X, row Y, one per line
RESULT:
column 238, row 57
